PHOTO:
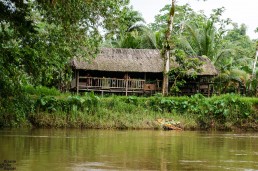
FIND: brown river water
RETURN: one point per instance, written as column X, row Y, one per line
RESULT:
column 101, row 150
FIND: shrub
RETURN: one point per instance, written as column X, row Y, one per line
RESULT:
column 215, row 112
column 41, row 90
column 14, row 111
column 88, row 103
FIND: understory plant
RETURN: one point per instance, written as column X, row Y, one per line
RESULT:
column 91, row 111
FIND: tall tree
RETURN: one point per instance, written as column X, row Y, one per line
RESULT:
column 127, row 33
column 255, row 59
column 38, row 38
column 129, row 18
column 235, row 64
column 165, row 53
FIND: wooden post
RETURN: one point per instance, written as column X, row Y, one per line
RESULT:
column 198, row 91
column 238, row 89
column 126, row 85
column 77, row 81
column 208, row 89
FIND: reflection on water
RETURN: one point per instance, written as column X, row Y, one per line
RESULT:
column 49, row 149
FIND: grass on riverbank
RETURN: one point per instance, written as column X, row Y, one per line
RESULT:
column 225, row 112
column 90, row 111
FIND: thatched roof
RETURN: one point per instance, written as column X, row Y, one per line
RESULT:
column 132, row 60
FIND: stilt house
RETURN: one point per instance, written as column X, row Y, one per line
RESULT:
column 131, row 71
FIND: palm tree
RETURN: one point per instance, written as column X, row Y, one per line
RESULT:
column 232, row 81
column 199, row 41
column 129, row 18
column 138, row 36
column 230, row 53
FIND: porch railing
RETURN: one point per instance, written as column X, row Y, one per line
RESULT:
column 110, row 83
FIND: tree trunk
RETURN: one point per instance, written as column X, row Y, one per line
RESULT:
column 165, row 54
column 254, row 64
column 254, row 71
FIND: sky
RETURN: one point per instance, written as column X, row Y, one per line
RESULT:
column 238, row 10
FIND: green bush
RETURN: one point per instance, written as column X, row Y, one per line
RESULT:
column 41, row 90
column 217, row 112
column 88, row 103
column 15, row 111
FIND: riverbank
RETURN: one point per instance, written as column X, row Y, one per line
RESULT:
column 226, row 112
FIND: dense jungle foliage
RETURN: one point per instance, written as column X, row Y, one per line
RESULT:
column 39, row 38
column 224, row 42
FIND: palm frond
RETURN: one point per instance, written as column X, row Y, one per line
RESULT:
column 185, row 44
